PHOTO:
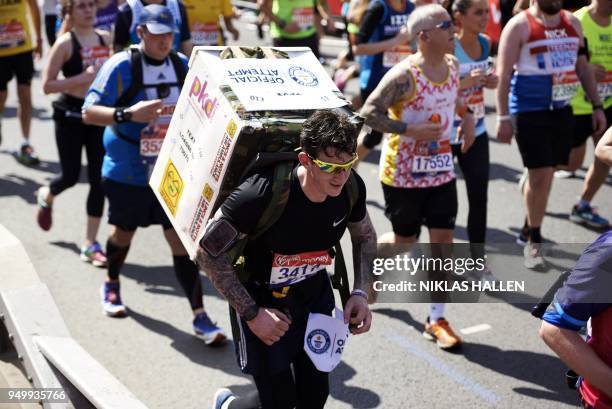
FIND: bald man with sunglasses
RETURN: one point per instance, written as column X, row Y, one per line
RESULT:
column 416, row 102
column 271, row 306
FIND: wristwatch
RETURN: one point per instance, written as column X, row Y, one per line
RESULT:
column 250, row 313
column 122, row 115
column 598, row 106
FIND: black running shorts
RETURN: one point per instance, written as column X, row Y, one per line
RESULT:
column 544, row 138
column 130, row 207
column 19, row 65
column 408, row 209
column 583, row 127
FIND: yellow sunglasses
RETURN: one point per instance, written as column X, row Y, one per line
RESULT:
column 332, row 168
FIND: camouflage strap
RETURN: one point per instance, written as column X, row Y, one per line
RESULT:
column 280, row 195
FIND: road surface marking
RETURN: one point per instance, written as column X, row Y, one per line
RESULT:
column 475, row 329
column 444, row 368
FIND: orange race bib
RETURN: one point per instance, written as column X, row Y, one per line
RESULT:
column 12, row 34
column 304, row 17
column 604, row 88
column 94, row 56
column 205, row 34
column 397, row 54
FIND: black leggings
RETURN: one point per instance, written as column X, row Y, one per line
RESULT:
column 186, row 271
column 71, row 134
column 374, row 137
column 50, row 22
column 475, row 168
column 307, row 390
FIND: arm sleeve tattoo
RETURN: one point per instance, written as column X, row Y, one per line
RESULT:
column 363, row 237
column 225, row 280
column 396, row 85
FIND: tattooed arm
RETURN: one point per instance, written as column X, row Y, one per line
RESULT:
column 395, row 85
column 356, row 311
column 224, row 278
column 363, row 238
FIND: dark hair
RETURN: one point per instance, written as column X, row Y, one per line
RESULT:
column 325, row 130
column 67, row 6
column 461, row 6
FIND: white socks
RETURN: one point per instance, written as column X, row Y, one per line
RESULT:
column 436, row 311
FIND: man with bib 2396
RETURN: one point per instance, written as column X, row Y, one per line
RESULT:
column 134, row 95
column 281, row 311
column 542, row 61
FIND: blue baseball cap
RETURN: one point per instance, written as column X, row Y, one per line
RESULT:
column 158, row 19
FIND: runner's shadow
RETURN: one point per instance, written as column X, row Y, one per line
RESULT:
column 67, row 246
column 401, row 315
column 38, row 113
column 499, row 171
column 14, row 185
column 162, row 280
column 544, row 371
column 357, row 397
column 493, row 235
column 220, row 357
column 44, row 166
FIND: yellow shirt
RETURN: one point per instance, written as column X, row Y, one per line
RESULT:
column 15, row 30
column 203, row 19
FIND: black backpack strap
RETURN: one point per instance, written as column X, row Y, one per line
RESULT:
column 179, row 68
column 281, row 186
column 339, row 279
column 101, row 39
column 136, row 85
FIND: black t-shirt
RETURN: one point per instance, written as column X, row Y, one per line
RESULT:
column 304, row 226
column 370, row 21
column 124, row 22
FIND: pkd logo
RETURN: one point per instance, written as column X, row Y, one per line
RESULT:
column 231, row 128
column 198, row 92
column 208, row 192
column 171, row 187
column 303, row 77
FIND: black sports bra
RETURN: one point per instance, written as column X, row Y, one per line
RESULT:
column 74, row 65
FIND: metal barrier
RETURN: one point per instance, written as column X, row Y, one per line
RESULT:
column 35, row 327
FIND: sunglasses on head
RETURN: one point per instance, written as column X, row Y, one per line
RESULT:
column 332, row 168
column 445, row 25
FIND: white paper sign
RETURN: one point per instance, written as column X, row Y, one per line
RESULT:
column 281, row 84
column 195, row 154
column 325, row 339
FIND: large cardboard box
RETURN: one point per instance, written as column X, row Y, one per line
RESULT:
column 230, row 108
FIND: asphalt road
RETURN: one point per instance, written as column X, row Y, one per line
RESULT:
column 154, row 353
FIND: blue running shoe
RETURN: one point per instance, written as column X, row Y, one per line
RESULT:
column 222, row 396
column 588, row 215
column 111, row 300
column 204, row 328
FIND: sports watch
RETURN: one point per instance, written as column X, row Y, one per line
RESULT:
column 122, row 115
